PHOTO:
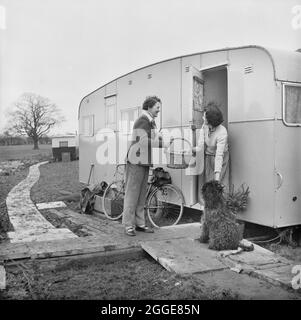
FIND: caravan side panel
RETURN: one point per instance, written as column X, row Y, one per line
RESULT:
column 91, row 119
column 252, row 163
column 288, row 180
column 251, row 103
column 287, row 164
column 251, row 86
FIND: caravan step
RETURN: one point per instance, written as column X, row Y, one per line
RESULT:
column 184, row 256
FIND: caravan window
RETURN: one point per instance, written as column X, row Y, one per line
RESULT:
column 87, row 128
column 127, row 118
column 110, row 110
column 292, row 104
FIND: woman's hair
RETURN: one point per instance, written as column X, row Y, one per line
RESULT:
column 214, row 115
column 149, row 102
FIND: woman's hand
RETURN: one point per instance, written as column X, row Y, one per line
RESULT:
column 193, row 150
column 217, row 176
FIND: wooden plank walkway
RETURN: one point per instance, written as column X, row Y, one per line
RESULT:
column 91, row 244
column 89, row 223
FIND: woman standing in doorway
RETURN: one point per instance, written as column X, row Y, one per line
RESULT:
column 213, row 139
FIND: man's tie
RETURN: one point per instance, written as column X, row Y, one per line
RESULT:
column 153, row 124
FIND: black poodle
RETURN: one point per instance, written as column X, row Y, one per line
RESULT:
column 219, row 225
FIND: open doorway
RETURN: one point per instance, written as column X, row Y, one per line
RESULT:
column 215, row 90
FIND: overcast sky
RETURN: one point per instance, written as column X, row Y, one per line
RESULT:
column 64, row 49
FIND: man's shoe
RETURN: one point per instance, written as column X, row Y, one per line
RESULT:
column 130, row 232
column 144, row 229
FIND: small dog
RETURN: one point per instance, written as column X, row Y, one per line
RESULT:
column 218, row 223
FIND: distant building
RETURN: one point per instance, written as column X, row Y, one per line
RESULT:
column 65, row 147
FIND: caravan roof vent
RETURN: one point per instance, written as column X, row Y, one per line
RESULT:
column 130, row 82
column 187, row 69
column 248, row 69
column 149, row 76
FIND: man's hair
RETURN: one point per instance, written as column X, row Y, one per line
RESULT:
column 214, row 115
column 149, row 102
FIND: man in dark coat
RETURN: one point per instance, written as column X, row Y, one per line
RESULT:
column 138, row 161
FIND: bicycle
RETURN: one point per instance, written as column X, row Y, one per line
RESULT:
column 164, row 204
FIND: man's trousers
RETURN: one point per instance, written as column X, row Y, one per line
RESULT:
column 136, row 177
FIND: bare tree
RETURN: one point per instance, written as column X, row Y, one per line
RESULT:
column 34, row 116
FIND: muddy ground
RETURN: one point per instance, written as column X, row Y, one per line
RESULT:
column 141, row 278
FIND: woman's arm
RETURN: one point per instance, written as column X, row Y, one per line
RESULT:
column 201, row 141
column 219, row 154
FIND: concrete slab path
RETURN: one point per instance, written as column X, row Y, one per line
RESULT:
column 51, row 205
column 188, row 256
column 2, row 278
column 28, row 223
column 183, row 256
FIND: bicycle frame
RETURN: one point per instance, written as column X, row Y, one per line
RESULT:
column 117, row 171
column 152, row 190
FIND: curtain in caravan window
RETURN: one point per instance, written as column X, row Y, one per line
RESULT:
column 124, row 121
column 110, row 115
column 110, row 111
column 87, row 128
column 293, row 104
column 128, row 117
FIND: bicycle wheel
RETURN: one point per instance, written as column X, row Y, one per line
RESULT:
column 164, row 206
column 112, row 200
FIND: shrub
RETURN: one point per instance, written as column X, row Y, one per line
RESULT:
column 237, row 201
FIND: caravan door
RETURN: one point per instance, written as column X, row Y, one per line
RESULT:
column 192, row 120
column 193, row 96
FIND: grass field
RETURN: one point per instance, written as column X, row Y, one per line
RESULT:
column 56, row 177
column 21, row 152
